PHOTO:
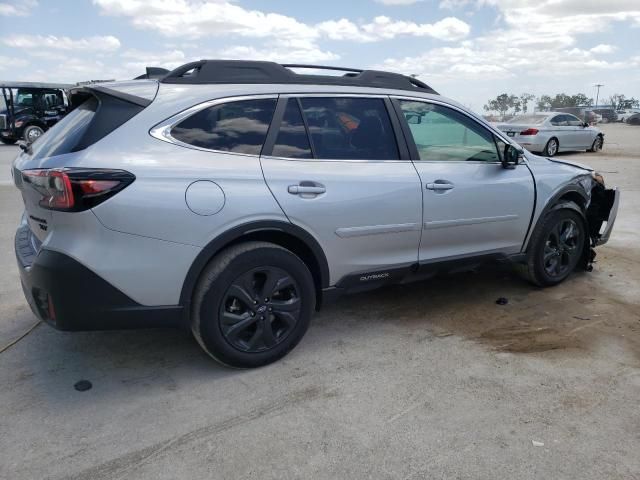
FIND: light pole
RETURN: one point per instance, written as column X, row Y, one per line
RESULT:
column 598, row 85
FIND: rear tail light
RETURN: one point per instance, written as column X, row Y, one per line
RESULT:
column 75, row 189
column 529, row 131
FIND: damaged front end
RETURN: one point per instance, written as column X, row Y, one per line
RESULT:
column 601, row 215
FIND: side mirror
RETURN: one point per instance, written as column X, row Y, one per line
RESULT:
column 414, row 119
column 585, row 125
column 511, row 156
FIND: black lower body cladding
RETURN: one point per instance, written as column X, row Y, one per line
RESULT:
column 69, row 296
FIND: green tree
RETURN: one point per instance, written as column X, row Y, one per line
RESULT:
column 619, row 102
column 563, row 100
column 544, row 102
column 525, row 98
column 502, row 103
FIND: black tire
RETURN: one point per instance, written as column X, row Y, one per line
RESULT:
column 551, row 148
column 32, row 133
column 544, row 248
column 237, row 328
column 8, row 141
column 596, row 146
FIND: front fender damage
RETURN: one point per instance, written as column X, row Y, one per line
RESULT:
column 600, row 215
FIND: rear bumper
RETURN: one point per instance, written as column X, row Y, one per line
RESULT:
column 69, row 296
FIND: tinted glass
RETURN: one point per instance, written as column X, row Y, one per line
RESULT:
column 239, row 127
column 573, row 121
column 65, row 135
column 528, row 119
column 292, row 140
column 350, row 128
column 443, row 134
column 559, row 121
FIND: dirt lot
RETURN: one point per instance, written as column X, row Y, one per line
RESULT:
column 431, row 380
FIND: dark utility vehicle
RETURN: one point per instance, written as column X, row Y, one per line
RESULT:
column 27, row 110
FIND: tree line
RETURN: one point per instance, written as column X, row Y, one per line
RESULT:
column 505, row 102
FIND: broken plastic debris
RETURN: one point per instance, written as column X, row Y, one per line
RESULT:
column 502, row 301
column 537, row 444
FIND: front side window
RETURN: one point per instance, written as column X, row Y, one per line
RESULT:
column 573, row 121
column 239, row 127
column 559, row 121
column 443, row 134
column 350, row 128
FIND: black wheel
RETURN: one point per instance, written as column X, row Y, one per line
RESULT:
column 252, row 304
column 32, row 133
column 8, row 141
column 556, row 248
column 596, row 146
column 551, row 148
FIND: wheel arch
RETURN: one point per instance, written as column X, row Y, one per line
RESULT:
column 571, row 197
column 286, row 235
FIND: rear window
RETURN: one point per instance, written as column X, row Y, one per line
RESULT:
column 67, row 133
column 238, row 127
column 99, row 115
column 529, row 119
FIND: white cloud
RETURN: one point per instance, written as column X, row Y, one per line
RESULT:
column 93, row 44
column 190, row 19
column 385, row 28
column 398, row 2
column 453, row 4
column 184, row 18
column 7, row 63
column 603, row 48
column 18, row 8
column 278, row 54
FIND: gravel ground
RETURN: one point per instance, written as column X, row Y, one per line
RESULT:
column 429, row 380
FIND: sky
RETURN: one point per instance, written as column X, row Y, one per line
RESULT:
column 469, row 50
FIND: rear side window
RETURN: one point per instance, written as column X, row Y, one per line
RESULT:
column 350, row 128
column 239, row 127
column 292, row 140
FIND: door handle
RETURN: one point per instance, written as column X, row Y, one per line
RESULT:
column 306, row 189
column 438, row 185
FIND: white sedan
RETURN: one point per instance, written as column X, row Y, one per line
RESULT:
column 552, row 132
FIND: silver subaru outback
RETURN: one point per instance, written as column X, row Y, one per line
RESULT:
column 234, row 197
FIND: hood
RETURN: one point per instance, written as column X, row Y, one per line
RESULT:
column 573, row 164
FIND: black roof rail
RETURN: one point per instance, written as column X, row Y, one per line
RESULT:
column 153, row 72
column 251, row 71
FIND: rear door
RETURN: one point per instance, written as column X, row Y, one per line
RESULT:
column 566, row 134
column 336, row 168
column 472, row 205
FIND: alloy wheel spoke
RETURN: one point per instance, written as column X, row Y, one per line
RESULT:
column 240, row 292
column 235, row 330
column 287, row 317
column 268, row 337
column 291, row 305
column 274, row 282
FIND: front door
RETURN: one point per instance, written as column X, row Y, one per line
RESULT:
column 335, row 169
column 472, row 205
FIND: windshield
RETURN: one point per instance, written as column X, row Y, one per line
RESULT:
column 529, row 119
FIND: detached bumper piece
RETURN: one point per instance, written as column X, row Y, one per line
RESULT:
column 69, row 296
column 602, row 213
